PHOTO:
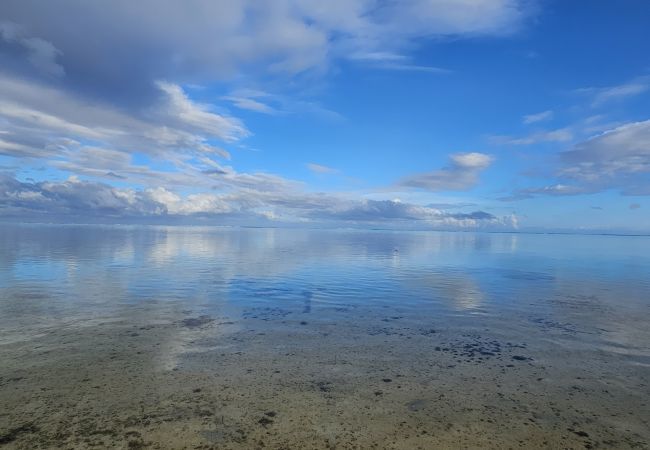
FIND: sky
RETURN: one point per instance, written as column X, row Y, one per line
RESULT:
column 496, row 115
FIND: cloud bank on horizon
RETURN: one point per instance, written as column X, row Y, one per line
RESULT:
column 427, row 114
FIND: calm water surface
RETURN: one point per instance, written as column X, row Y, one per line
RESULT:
column 169, row 337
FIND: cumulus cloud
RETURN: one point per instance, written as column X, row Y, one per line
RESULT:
column 114, row 107
column 461, row 174
column 77, row 198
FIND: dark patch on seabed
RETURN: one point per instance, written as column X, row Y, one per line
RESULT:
column 194, row 322
column 13, row 434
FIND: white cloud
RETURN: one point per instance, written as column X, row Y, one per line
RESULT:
column 119, row 99
column 472, row 160
column 443, row 17
column 321, row 169
column 394, row 61
column 50, row 124
column 624, row 91
column 203, row 203
column 250, row 104
column 552, row 190
column 276, row 104
column 76, row 198
column 197, row 118
column 622, row 151
column 559, row 135
column 539, row 117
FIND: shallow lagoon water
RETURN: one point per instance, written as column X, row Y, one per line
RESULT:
column 172, row 337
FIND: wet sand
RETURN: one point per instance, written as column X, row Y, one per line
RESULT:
column 351, row 377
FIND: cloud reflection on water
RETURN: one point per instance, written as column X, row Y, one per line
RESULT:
column 53, row 275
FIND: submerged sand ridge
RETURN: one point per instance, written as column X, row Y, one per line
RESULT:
column 276, row 378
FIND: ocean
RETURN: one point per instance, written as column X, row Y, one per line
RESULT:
column 207, row 337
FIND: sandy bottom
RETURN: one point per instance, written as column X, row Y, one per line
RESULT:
column 272, row 378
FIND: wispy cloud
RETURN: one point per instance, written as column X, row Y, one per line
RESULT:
column 109, row 109
column 539, row 117
column 461, row 174
column 321, row 169
column 558, row 135
column 98, row 145
column 413, row 68
column 197, row 118
column 601, row 95
column 250, row 104
column 394, row 61
column 552, row 190
column 277, row 104
column 46, row 123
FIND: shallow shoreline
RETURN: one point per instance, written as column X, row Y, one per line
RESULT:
column 237, row 339
column 275, row 378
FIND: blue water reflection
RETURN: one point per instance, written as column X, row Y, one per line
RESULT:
column 52, row 275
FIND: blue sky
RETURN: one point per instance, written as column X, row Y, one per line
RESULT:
column 427, row 114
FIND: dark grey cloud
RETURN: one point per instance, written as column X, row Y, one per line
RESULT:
column 41, row 54
column 115, row 49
